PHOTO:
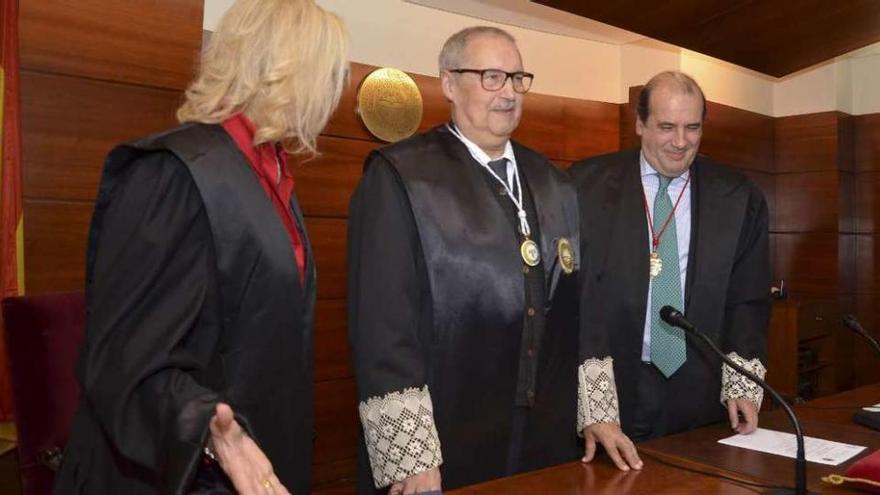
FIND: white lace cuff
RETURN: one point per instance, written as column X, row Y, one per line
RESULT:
column 737, row 386
column 597, row 394
column 400, row 434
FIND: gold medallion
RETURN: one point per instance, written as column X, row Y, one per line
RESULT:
column 566, row 255
column 531, row 255
column 656, row 264
column 389, row 104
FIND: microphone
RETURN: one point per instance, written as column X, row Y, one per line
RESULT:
column 674, row 317
column 853, row 324
column 870, row 419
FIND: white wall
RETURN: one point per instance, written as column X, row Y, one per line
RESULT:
column 408, row 36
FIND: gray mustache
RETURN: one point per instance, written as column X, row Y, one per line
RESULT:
column 505, row 107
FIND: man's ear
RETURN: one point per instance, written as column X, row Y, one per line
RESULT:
column 447, row 84
column 640, row 126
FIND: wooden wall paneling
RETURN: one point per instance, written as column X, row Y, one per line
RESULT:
column 541, row 127
column 328, row 239
column 148, row 42
column 806, row 143
column 738, row 138
column 808, row 262
column 628, row 136
column 846, row 263
column 807, row 202
column 846, row 202
column 55, row 235
column 69, row 124
column 846, row 142
column 436, row 106
column 866, row 141
column 337, row 429
column 867, row 276
column 345, row 122
column 782, row 349
column 332, row 354
column 866, row 210
column 590, row 128
column 324, row 185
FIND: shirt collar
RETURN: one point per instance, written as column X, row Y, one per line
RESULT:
column 262, row 157
column 479, row 155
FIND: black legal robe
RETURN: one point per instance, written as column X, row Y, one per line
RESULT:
column 193, row 297
column 727, row 290
column 436, row 306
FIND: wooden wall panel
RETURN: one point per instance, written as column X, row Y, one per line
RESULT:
column 332, row 353
column 336, row 431
column 806, row 143
column 866, row 129
column 324, row 185
column 70, row 123
column 541, row 126
column 866, row 210
column 55, row 245
column 808, row 262
column 867, row 279
column 738, row 138
column 590, row 128
column 797, row 208
column 328, row 238
column 866, row 158
column 147, row 42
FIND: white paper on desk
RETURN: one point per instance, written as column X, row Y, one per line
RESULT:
column 785, row 444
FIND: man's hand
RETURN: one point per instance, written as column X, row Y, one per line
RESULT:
column 749, row 411
column 241, row 459
column 618, row 446
column 426, row 481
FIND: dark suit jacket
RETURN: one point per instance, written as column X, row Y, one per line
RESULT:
column 726, row 290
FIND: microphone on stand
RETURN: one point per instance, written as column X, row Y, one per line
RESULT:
column 853, row 324
column 866, row 417
column 674, row 317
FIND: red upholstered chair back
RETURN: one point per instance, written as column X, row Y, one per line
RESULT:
column 43, row 335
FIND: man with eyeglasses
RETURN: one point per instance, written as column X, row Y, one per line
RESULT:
column 463, row 299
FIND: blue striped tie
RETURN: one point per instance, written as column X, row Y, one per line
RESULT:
column 668, row 351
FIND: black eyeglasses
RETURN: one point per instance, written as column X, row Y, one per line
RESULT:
column 494, row 79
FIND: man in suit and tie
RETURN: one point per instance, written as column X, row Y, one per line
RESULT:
column 660, row 226
column 463, row 305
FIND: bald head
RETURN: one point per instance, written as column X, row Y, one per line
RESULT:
column 673, row 82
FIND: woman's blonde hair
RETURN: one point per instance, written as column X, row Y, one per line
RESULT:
column 283, row 63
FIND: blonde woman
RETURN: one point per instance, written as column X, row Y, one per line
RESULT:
column 196, row 370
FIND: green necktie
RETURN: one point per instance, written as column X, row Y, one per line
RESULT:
column 668, row 350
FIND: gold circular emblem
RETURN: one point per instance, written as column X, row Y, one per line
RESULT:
column 531, row 255
column 389, row 104
column 566, row 255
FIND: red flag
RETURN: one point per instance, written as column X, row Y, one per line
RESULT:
column 11, row 215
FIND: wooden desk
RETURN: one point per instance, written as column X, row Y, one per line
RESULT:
column 601, row 477
column 700, row 446
column 699, row 450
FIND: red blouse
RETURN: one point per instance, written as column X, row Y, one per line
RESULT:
column 265, row 160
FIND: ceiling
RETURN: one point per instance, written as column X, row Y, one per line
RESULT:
column 530, row 15
column 774, row 37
